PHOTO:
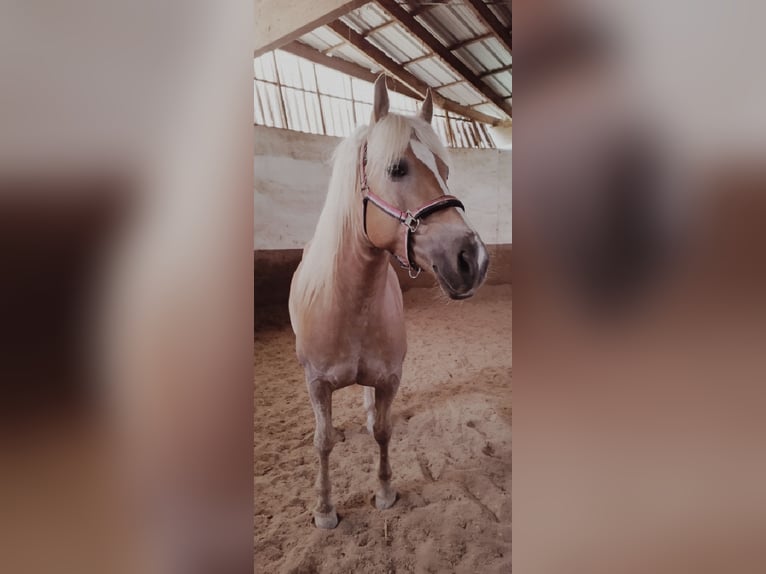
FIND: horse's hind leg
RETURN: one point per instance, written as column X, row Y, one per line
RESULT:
column 324, row 439
column 369, row 407
column 384, row 397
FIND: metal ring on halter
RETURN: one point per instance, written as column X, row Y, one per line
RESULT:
column 411, row 222
column 417, row 271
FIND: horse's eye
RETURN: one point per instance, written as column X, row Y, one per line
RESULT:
column 397, row 170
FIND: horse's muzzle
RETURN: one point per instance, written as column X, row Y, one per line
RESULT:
column 462, row 269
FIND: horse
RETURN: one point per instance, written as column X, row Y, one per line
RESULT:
column 387, row 195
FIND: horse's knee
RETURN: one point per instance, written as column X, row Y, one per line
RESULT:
column 323, row 442
column 382, row 433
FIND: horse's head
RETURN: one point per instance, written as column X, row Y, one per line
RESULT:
column 408, row 168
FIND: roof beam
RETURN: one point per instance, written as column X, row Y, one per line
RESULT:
column 418, row 30
column 506, row 68
column 398, row 71
column 485, row 14
column 343, row 66
column 469, row 41
column 278, row 22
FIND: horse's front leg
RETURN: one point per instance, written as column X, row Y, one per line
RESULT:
column 325, row 437
column 384, row 397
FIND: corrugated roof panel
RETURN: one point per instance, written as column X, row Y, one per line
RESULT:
column 363, row 113
column 363, row 91
column 464, row 17
column 333, row 83
column 498, row 87
column 400, row 40
column 294, row 119
column 437, row 72
column 270, row 99
column 498, row 50
column 319, row 42
column 308, row 79
column 447, row 33
column 402, row 104
column 490, row 109
column 392, row 51
column 439, row 125
column 289, row 69
column 345, row 102
column 468, row 94
column 366, row 17
column 470, row 60
column 503, row 12
column 461, row 93
column 327, row 36
column 258, row 115
column 478, row 57
column 506, row 77
column 348, row 52
column 264, row 68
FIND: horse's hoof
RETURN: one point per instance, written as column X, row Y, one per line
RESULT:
column 384, row 500
column 326, row 519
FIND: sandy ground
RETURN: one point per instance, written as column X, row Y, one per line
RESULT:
column 450, row 450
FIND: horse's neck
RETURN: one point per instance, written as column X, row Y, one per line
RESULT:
column 361, row 271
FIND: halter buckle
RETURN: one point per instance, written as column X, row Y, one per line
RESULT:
column 417, row 271
column 411, row 222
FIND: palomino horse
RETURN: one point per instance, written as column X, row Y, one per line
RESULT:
column 387, row 194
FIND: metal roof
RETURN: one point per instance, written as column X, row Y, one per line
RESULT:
column 456, row 26
column 460, row 49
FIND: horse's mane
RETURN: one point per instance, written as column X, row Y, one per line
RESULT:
column 341, row 216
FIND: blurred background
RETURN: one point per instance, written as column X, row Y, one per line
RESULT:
column 638, row 280
column 126, row 293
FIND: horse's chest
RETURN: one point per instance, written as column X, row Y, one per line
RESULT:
column 361, row 347
column 381, row 349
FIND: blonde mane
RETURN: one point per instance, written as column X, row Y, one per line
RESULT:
column 341, row 216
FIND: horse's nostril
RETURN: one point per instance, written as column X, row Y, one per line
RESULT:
column 463, row 264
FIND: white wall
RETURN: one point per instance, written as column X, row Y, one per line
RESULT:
column 292, row 170
column 503, row 136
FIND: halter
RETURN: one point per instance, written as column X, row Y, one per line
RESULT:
column 410, row 221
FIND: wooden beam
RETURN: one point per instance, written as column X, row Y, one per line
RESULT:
column 418, row 30
column 397, row 70
column 344, row 66
column 278, row 22
column 496, row 71
column 485, row 14
column 469, row 41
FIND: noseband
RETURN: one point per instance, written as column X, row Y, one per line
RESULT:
column 410, row 221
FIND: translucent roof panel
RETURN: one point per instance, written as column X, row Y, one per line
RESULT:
column 432, row 72
column 294, row 93
column 454, row 24
column 500, row 83
column 367, row 17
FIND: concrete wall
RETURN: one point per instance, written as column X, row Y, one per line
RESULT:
column 292, row 170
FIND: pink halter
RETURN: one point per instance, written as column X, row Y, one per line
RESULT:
column 409, row 220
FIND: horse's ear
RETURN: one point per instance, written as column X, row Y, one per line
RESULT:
column 427, row 109
column 380, row 102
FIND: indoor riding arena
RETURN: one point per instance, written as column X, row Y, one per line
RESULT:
column 450, row 450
